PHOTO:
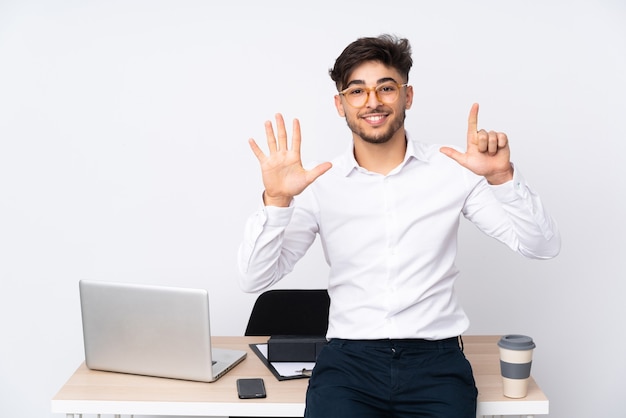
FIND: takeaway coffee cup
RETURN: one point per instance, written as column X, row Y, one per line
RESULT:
column 516, row 354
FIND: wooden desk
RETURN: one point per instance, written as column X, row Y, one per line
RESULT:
column 94, row 392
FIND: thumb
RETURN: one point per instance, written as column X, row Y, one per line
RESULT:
column 319, row 170
column 452, row 153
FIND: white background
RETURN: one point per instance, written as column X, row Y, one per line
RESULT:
column 124, row 156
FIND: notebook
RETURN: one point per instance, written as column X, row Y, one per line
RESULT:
column 151, row 330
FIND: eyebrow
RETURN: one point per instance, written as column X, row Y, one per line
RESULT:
column 379, row 81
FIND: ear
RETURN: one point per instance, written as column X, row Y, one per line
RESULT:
column 339, row 106
column 409, row 97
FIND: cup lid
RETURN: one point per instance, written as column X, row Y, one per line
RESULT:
column 516, row 342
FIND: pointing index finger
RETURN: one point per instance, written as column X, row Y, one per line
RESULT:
column 472, row 122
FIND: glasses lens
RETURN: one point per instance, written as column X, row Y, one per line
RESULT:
column 387, row 93
column 356, row 96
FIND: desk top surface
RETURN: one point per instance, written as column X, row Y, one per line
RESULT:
column 99, row 389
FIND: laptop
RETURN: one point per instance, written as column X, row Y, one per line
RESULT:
column 151, row 330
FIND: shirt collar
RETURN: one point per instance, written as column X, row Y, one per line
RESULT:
column 347, row 163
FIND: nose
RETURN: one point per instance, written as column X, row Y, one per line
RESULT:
column 372, row 99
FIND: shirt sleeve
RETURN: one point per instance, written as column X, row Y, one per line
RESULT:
column 518, row 219
column 275, row 239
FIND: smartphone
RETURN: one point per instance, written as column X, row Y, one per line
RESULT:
column 251, row 388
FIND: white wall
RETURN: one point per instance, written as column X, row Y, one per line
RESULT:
column 124, row 156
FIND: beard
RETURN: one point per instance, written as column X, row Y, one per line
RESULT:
column 378, row 136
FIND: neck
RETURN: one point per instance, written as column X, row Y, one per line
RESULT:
column 380, row 158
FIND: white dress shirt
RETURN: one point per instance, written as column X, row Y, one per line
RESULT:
column 391, row 240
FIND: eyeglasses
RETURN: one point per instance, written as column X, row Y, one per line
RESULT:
column 386, row 93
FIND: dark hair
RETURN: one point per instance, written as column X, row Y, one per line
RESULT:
column 387, row 49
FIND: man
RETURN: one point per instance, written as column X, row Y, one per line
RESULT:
column 387, row 213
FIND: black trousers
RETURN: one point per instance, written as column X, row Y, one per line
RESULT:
column 391, row 379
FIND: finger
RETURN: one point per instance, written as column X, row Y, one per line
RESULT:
column 482, row 140
column 256, row 150
column 269, row 134
column 318, row 171
column 295, row 136
column 492, row 143
column 282, row 132
column 472, row 124
column 452, row 153
column 503, row 140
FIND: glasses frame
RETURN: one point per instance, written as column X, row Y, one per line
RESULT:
column 368, row 90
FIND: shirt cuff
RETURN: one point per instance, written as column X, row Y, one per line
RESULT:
column 511, row 190
column 277, row 216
